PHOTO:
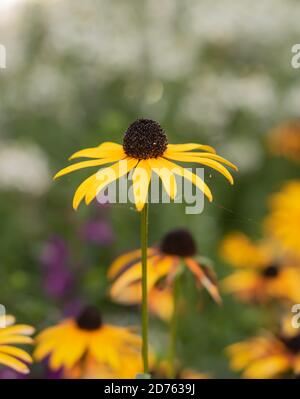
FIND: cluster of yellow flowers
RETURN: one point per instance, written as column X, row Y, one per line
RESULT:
column 269, row 271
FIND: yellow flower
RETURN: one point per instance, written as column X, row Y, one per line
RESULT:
column 177, row 250
column 262, row 274
column 283, row 221
column 145, row 149
column 267, row 355
column 10, row 355
column 75, row 343
column 284, row 140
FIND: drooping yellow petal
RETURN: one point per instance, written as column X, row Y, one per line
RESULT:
column 167, row 177
column 141, row 179
column 85, row 164
column 189, row 147
column 208, row 156
column 204, row 279
column 127, row 259
column 133, row 274
column 13, row 363
column 185, row 173
column 122, row 261
column 203, row 161
column 81, row 191
column 108, row 175
column 16, row 352
column 104, row 150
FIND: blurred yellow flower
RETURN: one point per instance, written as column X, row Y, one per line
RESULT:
column 260, row 274
column 85, row 345
column 267, row 355
column 177, row 250
column 283, row 221
column 284, row 140
column 10, row 355
column 145, row 149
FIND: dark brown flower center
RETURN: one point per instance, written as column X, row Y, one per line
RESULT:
column 145, row 139
column 89, row 319
column 292, row 343
column 179, row 242
column 271, row 271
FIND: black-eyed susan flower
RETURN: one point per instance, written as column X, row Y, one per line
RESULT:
column 76, row 343
column 11, row 335
column 284, row 140
column 177, row 250
column 283, row 220
column 268, row 355
column 145, row 149
column 260, row 273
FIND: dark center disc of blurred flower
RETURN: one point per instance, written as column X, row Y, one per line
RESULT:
column 145, row 139
column 89, row 319
column 179, row 242
column 292, row 343
column 271, row 271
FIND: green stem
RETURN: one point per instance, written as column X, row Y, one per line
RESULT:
column 173, row 329
column 144, row 247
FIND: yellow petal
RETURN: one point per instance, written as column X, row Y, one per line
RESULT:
column 13, row 363
column 16, row 352
column 141, row 179
column 84, row 164
column 104, row 150
column 185, row 173
column 81, row 191
column 268, row 367
column 206, row 155
column 203, row 161
column 17, row 329
column 108, row 175
column 15, row 339
column 122, row 261
column 167, row 177
column 190, row 147
column 204, row 279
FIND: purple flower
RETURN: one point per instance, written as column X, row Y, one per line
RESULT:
column 58, row 280
column 98, row 232
column 55, row 253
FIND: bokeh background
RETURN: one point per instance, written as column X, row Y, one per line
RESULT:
column 78, row 72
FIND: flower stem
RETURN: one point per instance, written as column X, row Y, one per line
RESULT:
column 144, row 246
column 173, row 328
